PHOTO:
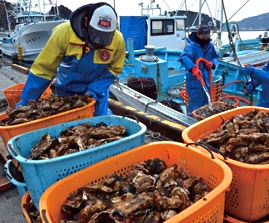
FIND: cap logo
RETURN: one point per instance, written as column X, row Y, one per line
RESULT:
column 104, row 22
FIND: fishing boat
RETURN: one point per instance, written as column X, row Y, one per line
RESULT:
column 32, row 30
column 256, row 49
column 161, row 63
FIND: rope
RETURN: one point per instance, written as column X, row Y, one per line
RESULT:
column 238, row 9
column 234, row 51
column 230, row 37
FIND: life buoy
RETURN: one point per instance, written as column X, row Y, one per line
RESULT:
column 210, row 23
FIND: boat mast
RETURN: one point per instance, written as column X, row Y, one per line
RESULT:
column 219, row 33
column 7, row 15
column 30, row 8
column 200, row 13
column 44, row 8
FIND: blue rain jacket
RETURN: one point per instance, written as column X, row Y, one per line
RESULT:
column 261, row 77
column 77, row 68
column 194, row 50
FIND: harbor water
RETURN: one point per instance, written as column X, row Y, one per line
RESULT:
column 243, row 35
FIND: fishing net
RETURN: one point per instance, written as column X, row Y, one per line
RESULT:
column 144, row 86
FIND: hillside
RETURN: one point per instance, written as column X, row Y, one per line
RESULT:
column 259, row 22
column 251, row 23
column 64, row 13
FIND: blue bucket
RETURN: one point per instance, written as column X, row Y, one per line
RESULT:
column 41, row 174
column 11, row 171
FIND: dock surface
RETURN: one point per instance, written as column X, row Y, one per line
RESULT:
column 10, row 205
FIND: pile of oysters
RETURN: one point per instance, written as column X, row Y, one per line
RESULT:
column 150, row 192
column 76, row 138
column 42, row 108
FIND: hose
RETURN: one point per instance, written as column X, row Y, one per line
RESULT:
column 210, row 76
column 237, row 99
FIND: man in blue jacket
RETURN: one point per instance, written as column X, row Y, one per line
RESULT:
column 84, row 54
column 199, row 46
column 258, row 77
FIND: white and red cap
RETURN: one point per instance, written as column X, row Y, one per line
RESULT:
column 102, row 24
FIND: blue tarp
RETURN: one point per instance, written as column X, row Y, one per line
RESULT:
column 134, row 27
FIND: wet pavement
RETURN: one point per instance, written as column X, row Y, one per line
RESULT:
column 10, row 199
column 10, row 203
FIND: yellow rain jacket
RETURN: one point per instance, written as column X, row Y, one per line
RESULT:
column 77, row 68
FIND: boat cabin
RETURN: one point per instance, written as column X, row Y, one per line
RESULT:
column 159, row 31
column 169, row 32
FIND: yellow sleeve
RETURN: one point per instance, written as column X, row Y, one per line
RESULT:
column 117, row 62
column 51, row 56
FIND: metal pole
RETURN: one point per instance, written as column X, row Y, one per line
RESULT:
column 200, row 13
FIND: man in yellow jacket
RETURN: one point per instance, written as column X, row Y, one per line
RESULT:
column 84, row 55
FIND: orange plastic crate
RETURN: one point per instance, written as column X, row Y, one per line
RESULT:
column 13, row 94
column 229, row 219
column 7, row 132
column 27, row 206
column 215, row 173
column 248, row 198
column 200, row 117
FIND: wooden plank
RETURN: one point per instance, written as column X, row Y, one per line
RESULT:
column 4, row 181
column 3, row 151
column 4, row 184
column 19, row 68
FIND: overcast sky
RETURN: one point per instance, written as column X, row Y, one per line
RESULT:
column 130, row 7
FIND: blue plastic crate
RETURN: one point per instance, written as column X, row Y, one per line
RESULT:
column 40, row 174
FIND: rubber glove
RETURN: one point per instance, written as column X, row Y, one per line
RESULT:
column 209, row 65
column 247, row 71
column 33, row 88
column 196, row 72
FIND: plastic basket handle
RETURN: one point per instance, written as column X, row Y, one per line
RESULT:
column 12, row 150
column 215, row 150
column 16, row 165
column 43, row 212
column 208, row 148
column 131, row 116
column 197, row 144
column 28, row 212
column 7, row 174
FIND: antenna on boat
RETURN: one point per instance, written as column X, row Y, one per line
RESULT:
column 150, row 8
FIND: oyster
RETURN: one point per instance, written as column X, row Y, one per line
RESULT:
column 245, row 137
column 149, row 192
column 42, row 108
column 74, row 139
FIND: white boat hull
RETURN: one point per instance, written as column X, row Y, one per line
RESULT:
column 32, row 37
column 130, row 97
column 255, row 58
